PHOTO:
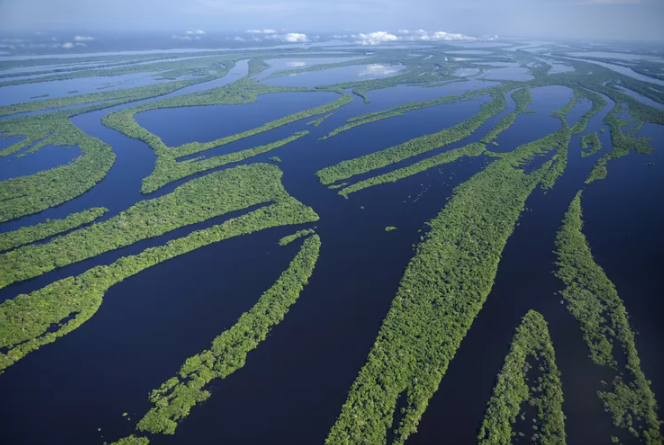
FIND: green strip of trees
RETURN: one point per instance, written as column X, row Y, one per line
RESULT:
column 168, row 169
column 30, row 234
column 26, row 195
column 286, row 240
column 443, row 289
column 593, row 300
column 369, row 118
column 203, row 198
column 413, row 147
column 471, row 150
column 173, row 400
column 515, row 386
column 27, row 321
column 622, row 143
column 522, row 98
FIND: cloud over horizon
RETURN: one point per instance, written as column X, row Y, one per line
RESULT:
column 378, row 37
column 374, row 38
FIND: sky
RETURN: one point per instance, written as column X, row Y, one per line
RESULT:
column 570, row 19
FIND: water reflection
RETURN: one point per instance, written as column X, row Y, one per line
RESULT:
column 376, row 69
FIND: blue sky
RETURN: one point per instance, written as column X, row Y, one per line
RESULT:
column 588, row 19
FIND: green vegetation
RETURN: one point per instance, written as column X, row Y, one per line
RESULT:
column 175, row 398
column 242, row 91
column 564, row 111
column 590, row 140
column 317, row 122
column 514, row 387
column 132, row 440
column 286, row 240
column 594, row 301
column 170, row 69
column 275, row 159
column 401, row 109
column 107, row 98
column 636, row 128
column 338, row 185
column 440, row 294
column 26, row 195
column 413, row 147
column 473, row 149
column 622, row 145
column 522, row 99
column 196, row 201
column 168, row 169
column 31, row 194
column 559, row 140
column 30, row 234
column 26, row 322
column 390, row 228
column 597, row 105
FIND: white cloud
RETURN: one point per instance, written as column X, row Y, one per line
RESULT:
column 68, row 45
column 294, row 37
column 296, row 64
column 195, row 31
column 291, row 37
column 261, row 31
column 80, row 44
column 375, row 38
column 238, row 39
column 181, row 37
column 442, row 35
column 423, row 35
column 83, row 38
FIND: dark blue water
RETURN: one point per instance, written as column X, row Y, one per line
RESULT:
column 177, row 126
column 134, row 161
column 532, row 126
column 401, row 94
column 292, row 387
column 8, row 141
column 360, row 300
column 47, row 157
column 623, row 218
column 524, row 281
